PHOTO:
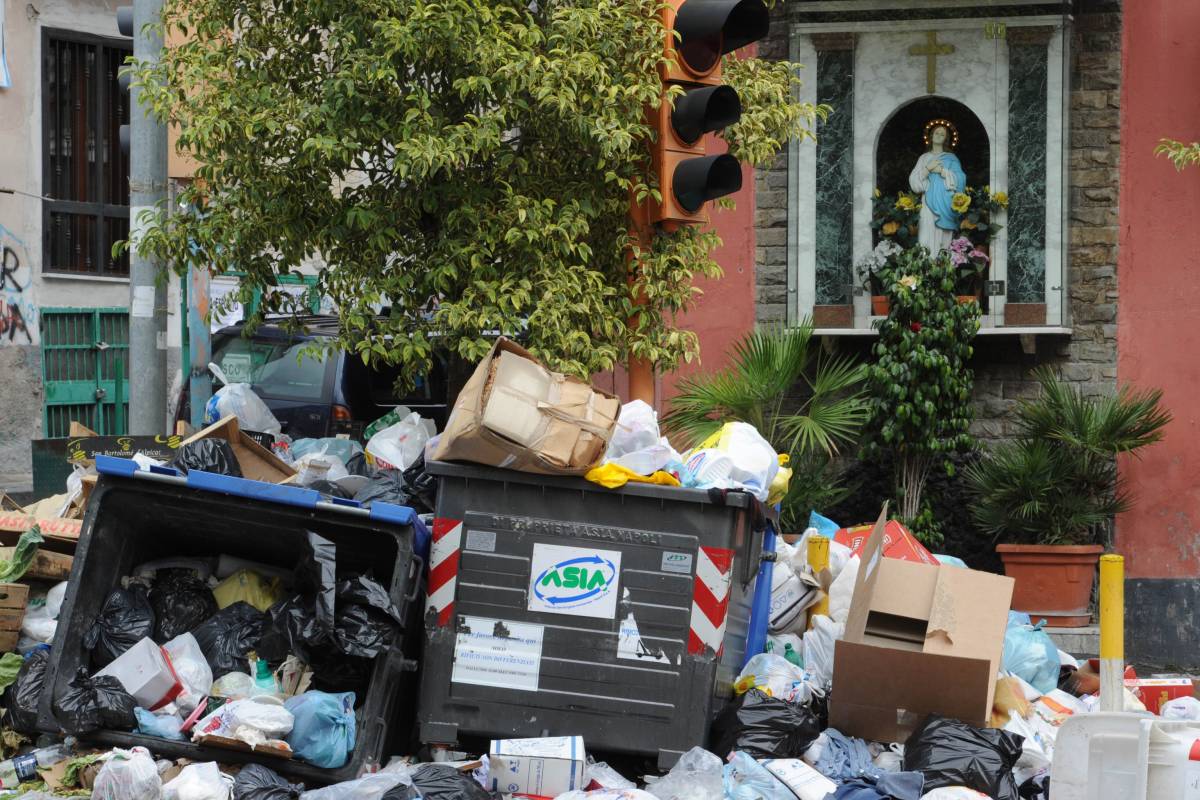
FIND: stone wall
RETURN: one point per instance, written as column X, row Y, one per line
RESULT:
column 1002, row 366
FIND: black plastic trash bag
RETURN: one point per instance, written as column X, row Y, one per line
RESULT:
column 316, row 577
column 125, row 619
column 304, row 624
column 444, row 782
column 367, row 619
column 207, row 455
column 336, row 673
column 953, row 753
column 402, row 792
column 95, row 703
column 422, row 487
column 181, row 601
column 256, row 782
column 227, row 636
column 386, row 485
column 764, row 727
column 23, row 696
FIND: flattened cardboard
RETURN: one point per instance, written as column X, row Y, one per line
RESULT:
column 919, row 639
column 257, row 462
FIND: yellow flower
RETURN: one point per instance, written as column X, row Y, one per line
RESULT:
column 960, row 203
column 890, row 228
column 967, row 225
column 906, row 203
column 1001, row 198
column 909, row 281
column 987, row 189
column 878, row 193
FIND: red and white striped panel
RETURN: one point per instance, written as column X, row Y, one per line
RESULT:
column 443, row 568
column 710, row 600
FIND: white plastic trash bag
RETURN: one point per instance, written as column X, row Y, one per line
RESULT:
column 955, row 793
column 607, row 794
column 637, row 444
column 697, row 775
column 271, row 718
column 368, row 787
column 128, row 775
column 739, row 458
column 239, row 400
column 192, row 669
column 602, row 774
column 819, row 642
column 399, row 446
column 841, row 591
column 199, row 782
column 770, row 673
column 1181, row 708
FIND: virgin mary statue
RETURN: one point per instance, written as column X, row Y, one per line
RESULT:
column 937, row 176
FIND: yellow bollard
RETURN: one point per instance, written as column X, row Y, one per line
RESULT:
column 1112, row 633
column 818, row 559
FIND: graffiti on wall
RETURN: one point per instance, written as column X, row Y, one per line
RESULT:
column 18, row 314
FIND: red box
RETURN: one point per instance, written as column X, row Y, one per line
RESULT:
column 1154, row 692
column 897, row 542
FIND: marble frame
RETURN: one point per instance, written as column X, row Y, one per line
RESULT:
column 869, row 120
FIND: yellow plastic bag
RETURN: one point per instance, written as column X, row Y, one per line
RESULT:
column 248, row 586
column 614, row 476
column 779, row 486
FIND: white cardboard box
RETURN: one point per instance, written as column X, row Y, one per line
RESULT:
column 804, row 781
column 146, row 673
column 547, row 767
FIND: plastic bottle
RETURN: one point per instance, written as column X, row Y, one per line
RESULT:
column 264, row 680
column 18, row 769
column 791, row 655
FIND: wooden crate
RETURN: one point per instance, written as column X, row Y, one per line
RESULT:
column 46, row 565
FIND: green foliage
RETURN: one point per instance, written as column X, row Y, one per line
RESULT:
column 977, row 223
column 467, row 163
column 1057, row 483
column 766, row 366
column 919, row 386
column 896, row 218
column 1181, row 155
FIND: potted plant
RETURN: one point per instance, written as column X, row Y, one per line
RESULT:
column 978, row 209
column 895, row 225
column 1051, row 493
column 768, row 369
column 870, row 271
column 970, row 266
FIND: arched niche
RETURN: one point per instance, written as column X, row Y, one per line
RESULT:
column 900, row 142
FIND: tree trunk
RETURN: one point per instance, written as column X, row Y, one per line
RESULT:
column 911, row 476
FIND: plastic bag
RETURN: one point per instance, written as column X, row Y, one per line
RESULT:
column 414, row 488
column 125, row 619
column 207, row 455
column 23, row 696
column 609, row 794
column 344, row 450
column 636, row 443
column 841, row 591
column 239, row 400
column 198, row 782
column 37, row 623
column 91, row 703
column 399, row 446
column 227, row 636
column 764, row 727
column 735, row 457
column 323, row 733
column 601, row 774
column 234, row 686
column 1030, row 653
column 367, row 621
column 1181, row 708
column 164, row 726
column 445, row 782
column 256, row 782
column 128, row 775
column 697, row 775
column 819, row 642
column 248, row 586
column 375, row 786
column 954, row 793
column 772, row 674
column 953, row 753
column 192, row 669
column 273, row 720
column 746, row 779
column 181, row 601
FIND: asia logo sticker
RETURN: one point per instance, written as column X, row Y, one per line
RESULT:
column 577, row 581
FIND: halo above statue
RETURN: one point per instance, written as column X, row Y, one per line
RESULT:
column 951, row 128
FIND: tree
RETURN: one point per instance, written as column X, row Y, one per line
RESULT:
column 466, row 163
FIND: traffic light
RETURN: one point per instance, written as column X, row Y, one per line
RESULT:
column 125, row 27
column 699, row 33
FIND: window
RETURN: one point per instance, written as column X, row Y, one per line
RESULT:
column 85, row 174
column 275, row 368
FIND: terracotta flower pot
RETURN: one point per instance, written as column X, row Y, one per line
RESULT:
column 880, row 305
column 1053, row 582
column 963, row 299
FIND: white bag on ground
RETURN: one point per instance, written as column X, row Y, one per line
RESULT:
column 192, row 669
column 239, row 400
column 697, row 775
column 199, row 782
column 1181, row 708
column 398, row 446
column 841, row 592
column 128, row 775
column 818, row 649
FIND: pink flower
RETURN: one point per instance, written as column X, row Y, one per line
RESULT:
column 978, row 254
column 960, row 245
column 958, row 258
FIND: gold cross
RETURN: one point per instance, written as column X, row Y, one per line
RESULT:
column 931, row 50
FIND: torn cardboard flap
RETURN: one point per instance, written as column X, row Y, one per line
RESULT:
column 256, row 462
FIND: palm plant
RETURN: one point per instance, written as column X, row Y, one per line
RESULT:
column 806, row 404
column 1057, row 483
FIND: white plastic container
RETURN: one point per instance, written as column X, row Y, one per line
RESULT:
column 1096, row 758
column 146, row 673
column 1169, row 760
column 789, row 597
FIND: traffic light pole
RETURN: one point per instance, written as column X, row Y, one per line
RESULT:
column 147, row 190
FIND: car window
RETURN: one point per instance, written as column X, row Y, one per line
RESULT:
column 274, row 368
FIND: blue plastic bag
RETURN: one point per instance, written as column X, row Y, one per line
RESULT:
column 950, row 561
column 165, row 726
column 1030, row 653
column 323, row 733
column 824, row 525
column 746, row 779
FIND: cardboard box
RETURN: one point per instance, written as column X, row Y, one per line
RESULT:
column 1155, row 692
column 548, row 767
column 257, row 462
column 920, row 639
column 517, row 414
column 897, row 542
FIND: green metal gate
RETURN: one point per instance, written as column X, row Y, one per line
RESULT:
column 85, row 365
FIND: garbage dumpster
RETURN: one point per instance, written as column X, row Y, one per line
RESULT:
column 559, row 607
column 137, row 517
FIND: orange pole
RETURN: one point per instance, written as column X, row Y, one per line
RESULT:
column 640, row 371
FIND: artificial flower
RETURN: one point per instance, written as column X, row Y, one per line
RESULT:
column 960, row 245
column 890, row 228
column 967, row 225
column 878, row 193
column 961, row 202
column 906, row 203
column 958, row 258
column 987, row 189
column 909, row 281
column 915, row 327
column 1001, row 198
column 978, row 254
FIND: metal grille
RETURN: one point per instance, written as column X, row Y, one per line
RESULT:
column 85, row 172
column 85, row 368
